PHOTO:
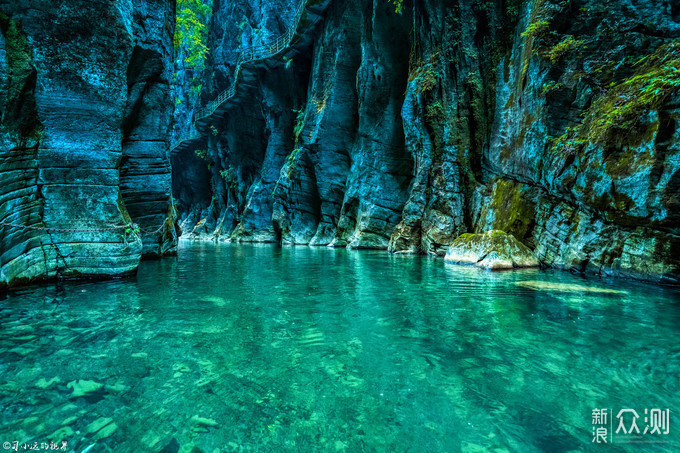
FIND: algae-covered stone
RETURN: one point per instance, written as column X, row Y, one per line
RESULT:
column 493, row 250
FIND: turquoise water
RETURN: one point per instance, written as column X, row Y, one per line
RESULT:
column 261, row 348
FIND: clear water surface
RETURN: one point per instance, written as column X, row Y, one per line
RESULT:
column 262, row 348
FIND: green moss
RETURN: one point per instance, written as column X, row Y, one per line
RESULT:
column 20, row 111
column 536, row 29
column 568, row 44
column 291, row 161
column 435, row 119
column 616, row 118
column 622, row 202
column 624, row 164
column 517, row 141
column 513, row 212
column 202, row 154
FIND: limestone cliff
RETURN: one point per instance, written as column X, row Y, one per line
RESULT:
column 555, row 121
column 397, row 125
column 84, row 99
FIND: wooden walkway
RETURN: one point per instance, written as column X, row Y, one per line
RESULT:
column 310, row 11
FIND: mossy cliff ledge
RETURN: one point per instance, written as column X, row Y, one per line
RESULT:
column 493, row 250
column 85, row 111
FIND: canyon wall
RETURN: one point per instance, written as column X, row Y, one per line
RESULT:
column 554, row 121
column 387, row 124
column 85, row 112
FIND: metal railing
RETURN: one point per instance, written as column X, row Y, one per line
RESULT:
column 252, row 53
column 191, row 135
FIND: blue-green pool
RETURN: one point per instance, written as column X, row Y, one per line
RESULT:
column 262, row 348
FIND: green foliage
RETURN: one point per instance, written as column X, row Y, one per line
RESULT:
column 567, row 143
column 536, row 29
column 512, row 10
column 434, row 113
column 429, row 78
column 202, row 154
column 213, row 130
column 299, row 123
column 398, row 5
column 568, row 44
column 191, row 31
column 229, row 177
column 290, row 162
column 618, row 111
column 131, row 230
column 550, row 87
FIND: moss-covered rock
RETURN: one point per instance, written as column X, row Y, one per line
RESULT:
column 493, row 250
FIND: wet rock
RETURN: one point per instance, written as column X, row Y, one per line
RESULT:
column 484, row 116
column 493, row 250
column 71, row 94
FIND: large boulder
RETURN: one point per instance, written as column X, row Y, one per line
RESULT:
column 493, row 250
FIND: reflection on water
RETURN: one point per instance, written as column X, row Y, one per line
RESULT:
column 256, row 347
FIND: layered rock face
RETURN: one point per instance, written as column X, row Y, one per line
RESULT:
column 85, row 112
column 553, row 121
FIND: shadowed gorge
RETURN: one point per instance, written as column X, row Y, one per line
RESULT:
column 367, row 124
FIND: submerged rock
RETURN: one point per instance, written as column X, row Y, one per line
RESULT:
column 84, row 387
column 567, row 287
column 493, row 250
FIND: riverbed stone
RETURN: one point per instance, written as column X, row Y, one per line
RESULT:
column 83, row 387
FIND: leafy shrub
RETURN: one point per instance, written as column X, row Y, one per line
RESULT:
column 568, row 44
column 620, row 109
column 202, row 154
column 299, row 123
column 229, row 177
column 191, row 31
column 536, row 29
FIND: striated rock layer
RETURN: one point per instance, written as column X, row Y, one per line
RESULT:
column 554, row 121
column 85, row 111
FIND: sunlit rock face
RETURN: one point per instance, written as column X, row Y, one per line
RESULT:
column 83, row 90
